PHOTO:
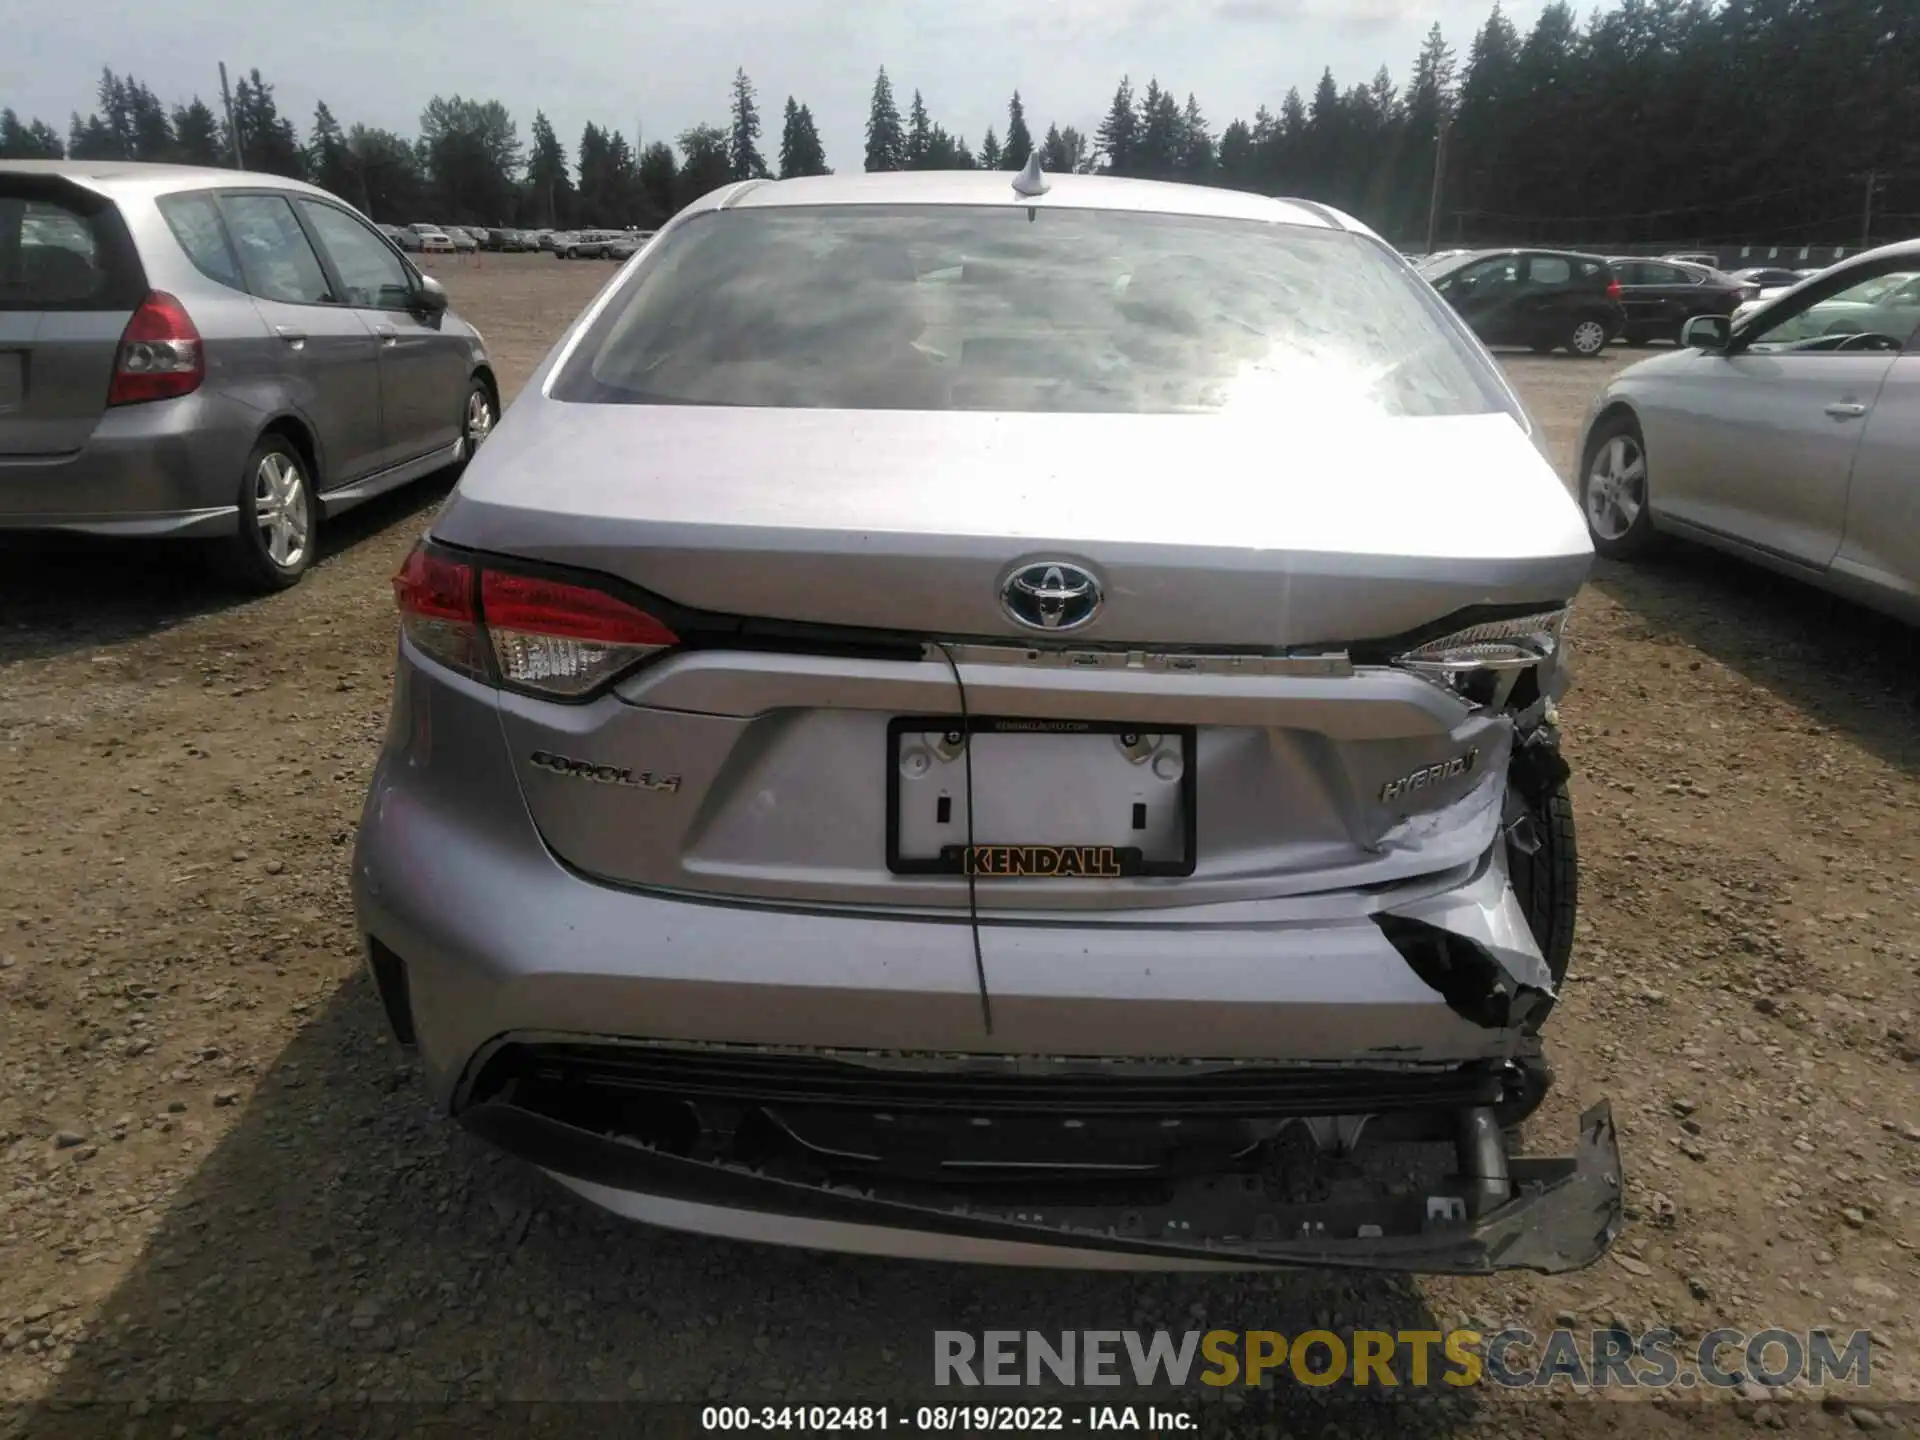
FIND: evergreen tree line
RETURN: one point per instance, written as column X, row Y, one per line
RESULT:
column 1707, row 121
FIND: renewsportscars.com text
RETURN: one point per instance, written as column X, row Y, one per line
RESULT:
column 1513, row 1357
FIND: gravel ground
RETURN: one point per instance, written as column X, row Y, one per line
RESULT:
column 218, row 1180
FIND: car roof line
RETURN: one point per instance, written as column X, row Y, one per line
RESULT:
column 745, row 187
column 1314, row 207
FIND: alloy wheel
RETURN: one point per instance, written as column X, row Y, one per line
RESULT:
column 281, row 510
column 479, row 418
column 1616, row 487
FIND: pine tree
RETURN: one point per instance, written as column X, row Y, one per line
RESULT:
column 1196, row 144
column 267, row 141
column 1235, row 163
column 657, row 179
column 743, row 145
column 705, row 163
column 919, row 135
column 1118, row 133
column 886, row 145
column 1064, row 151
column 196, row 135
column 1018, row 148
column 29, row 140
column 800, row 150
column 1157, row 150
column 548, row 182
column 989, row 152
column 327, row 159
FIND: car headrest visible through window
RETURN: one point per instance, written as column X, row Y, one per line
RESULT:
column 58, row 275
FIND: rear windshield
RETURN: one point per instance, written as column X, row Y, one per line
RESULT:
column 59, row 251
column 1001, row 309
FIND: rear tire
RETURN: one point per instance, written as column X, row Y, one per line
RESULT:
column 1547, row 882
column 279, row 519
column 1547, row 885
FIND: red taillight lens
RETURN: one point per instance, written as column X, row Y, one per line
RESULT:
column 160, row 354
column 562, row 610
column 1613, row 289
column 436, row 600
column 550, row 637
column 561, row 638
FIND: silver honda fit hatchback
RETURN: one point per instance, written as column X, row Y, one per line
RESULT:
column 1002, row 718
column 212, row 354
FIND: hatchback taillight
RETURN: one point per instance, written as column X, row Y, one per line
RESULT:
column 544, row 635
column 160, row 354
column 1613, row 289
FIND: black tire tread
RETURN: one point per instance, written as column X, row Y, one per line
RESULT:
column 1548, row 881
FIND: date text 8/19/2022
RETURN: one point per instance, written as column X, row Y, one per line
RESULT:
column 944, row 1419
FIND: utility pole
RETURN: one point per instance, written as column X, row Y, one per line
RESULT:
column 1439, row 169
column 1866, row 214
column 233, row 130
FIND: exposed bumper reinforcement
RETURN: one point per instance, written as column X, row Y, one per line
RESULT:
column 1562, row 1213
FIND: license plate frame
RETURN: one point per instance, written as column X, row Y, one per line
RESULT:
column 1125, row 862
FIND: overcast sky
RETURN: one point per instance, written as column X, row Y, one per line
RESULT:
column 666, row 66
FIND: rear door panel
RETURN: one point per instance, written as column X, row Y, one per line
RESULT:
column 1882, row 543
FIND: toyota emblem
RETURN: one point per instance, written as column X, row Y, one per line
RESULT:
column 1051, row 595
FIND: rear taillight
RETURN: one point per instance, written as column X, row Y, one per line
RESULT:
column 1613, row 289
column 560, row 638
column 438, row 610
column 160, row 354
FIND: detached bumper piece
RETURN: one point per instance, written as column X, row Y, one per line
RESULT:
column 1204, row 1162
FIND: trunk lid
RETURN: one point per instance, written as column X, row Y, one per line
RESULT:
column 69, row 282
column 809, row 777
column 1204, row 530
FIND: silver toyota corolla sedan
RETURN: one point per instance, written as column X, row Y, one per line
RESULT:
column 212, row 354
column 1788, row 436
column 1007, row 719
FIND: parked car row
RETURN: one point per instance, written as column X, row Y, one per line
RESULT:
column 423, row 237
column 1546, row 299
column 598, row 244
column 219, row 355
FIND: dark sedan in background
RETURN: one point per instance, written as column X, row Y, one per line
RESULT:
column 1544, row 299
column 1660, row 296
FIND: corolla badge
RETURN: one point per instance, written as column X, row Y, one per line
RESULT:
column 603, row 774
column 1052, row 595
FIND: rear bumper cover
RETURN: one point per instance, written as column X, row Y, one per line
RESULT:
column 171, row 467
column 1562, row 1216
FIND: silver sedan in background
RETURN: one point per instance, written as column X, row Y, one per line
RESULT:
column 1788, row 436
